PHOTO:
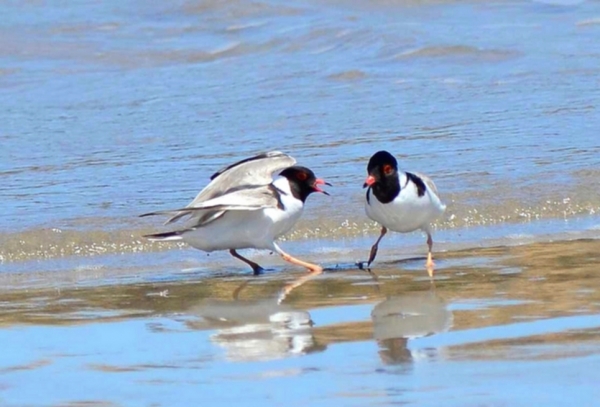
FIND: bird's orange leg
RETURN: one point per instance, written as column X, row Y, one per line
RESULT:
column 313, row 268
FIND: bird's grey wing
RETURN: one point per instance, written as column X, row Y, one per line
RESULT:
column 242, row 199
column 257, row 170
column 428, row 181
column 201, row 216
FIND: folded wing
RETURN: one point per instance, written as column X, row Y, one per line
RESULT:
column 428, row 181
column 244, row 199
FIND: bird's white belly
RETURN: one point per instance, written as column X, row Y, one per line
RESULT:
column 243, row 230
column 405, row 214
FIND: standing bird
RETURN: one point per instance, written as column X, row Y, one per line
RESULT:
column 243, row 207
column 400, row 201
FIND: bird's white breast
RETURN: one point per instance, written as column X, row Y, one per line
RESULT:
column 249, row 228
column 284, row 219
column 408, row 211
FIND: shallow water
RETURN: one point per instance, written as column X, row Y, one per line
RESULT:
column 499, row 326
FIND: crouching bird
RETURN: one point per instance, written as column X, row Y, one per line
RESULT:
column 243, row 207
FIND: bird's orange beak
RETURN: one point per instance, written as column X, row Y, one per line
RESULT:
column 318, row 182
column 369, row 181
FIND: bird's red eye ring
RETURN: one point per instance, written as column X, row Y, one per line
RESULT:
column 387, row 169
column 302, row 176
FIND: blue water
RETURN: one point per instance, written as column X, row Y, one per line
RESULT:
column 115, row 109
column 185, row 368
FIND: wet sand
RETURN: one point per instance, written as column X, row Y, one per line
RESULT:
column 497, row 326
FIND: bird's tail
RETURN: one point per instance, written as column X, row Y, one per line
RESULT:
column 164, row 237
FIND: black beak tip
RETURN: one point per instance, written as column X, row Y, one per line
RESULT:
column 365, row 185
column 328, row 184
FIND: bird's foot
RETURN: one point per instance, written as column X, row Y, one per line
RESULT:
column 258, row 270
column 363, row 265
column 315, row 269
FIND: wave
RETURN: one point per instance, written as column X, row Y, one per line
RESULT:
column 463, row 51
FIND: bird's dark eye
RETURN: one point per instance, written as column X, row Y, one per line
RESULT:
column 387, row 169
column 302, row 176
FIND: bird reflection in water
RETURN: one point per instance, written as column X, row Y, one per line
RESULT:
column 400, row 318
column 255, row 330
